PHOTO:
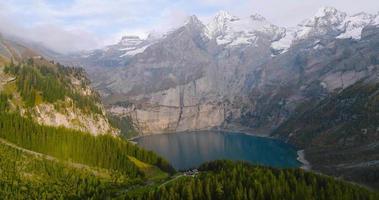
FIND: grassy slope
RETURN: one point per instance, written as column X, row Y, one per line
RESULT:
column 151, row 171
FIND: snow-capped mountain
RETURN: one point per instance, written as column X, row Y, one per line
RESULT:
column 327, row 23
column 232, row 31
column 353, row 25
column 132, row 45
column 203, row 75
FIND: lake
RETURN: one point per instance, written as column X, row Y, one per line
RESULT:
column 190, row 149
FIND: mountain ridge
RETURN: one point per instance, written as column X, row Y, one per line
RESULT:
column 192, row 57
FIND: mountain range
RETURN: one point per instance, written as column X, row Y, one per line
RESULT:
column 228, row 73
column 313, row 85
column 249, row 75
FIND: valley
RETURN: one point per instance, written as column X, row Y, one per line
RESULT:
column 226, row 107
column 249, row 75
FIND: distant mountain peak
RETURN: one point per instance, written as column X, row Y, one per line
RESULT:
column 193, row 20
column 194, row 24
column 257, row 17
column 325, row 16
column 130, row 40
column 223, row 15
column 327, row 22
column 326, row 10
column 233, row 31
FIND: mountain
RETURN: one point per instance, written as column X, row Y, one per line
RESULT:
column 230, row 73
column 232, row 31
column 44, row 158
column 10, row 49
column 186, row 80
column 56, row 96
column 247, row 74
column 340, row 134
column 327, row 23
column 55, row 139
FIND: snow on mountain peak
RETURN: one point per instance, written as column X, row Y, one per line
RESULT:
column 327, row 11
column 353, row 25
column 326, row 21
column 132, row 45
column 224, row 16
column 130, row 40
column 376, row 20
column 325, row 17
column 234, row 31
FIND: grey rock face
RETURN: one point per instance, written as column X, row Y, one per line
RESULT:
column 200, row 77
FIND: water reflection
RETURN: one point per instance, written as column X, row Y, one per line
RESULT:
column 187, row 150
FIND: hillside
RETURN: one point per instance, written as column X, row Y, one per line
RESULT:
column 54, row 131
column 340, row 134
column 27, row 174
column 53, row 95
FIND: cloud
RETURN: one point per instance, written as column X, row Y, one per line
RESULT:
column 71, row 25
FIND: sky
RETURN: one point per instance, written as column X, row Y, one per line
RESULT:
column 73, row 25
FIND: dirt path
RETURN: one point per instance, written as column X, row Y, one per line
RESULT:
column 170, row 181
column 44, row 156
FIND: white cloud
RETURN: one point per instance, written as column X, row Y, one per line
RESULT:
column 82, row 24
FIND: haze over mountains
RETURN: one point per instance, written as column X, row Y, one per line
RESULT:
column 246, row 74
column 315, row 86
column 228, row 72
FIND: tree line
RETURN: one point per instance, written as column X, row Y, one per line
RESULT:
column 222, row 180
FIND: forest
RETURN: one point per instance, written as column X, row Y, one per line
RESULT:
column 23, row 176
column 39, row 83
column 222, row 180
column 101, row 151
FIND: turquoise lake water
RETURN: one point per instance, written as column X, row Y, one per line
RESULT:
column 190, row 149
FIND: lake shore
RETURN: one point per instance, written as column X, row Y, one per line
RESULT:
column 301, row 158
column 239, row 131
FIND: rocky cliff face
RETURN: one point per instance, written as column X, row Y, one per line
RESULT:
column 186, row 81
column 233, row 71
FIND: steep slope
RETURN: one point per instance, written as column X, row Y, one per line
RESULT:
column 48, row 161
column 27, row 175
column 235, row 72
column 340, row 134
column 187, row 80
column 305, row 73
column 328, row 23
column 70, row 165
column 10, row 49
column 54, row 95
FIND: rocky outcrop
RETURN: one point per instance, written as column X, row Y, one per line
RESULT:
column 71, row 117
